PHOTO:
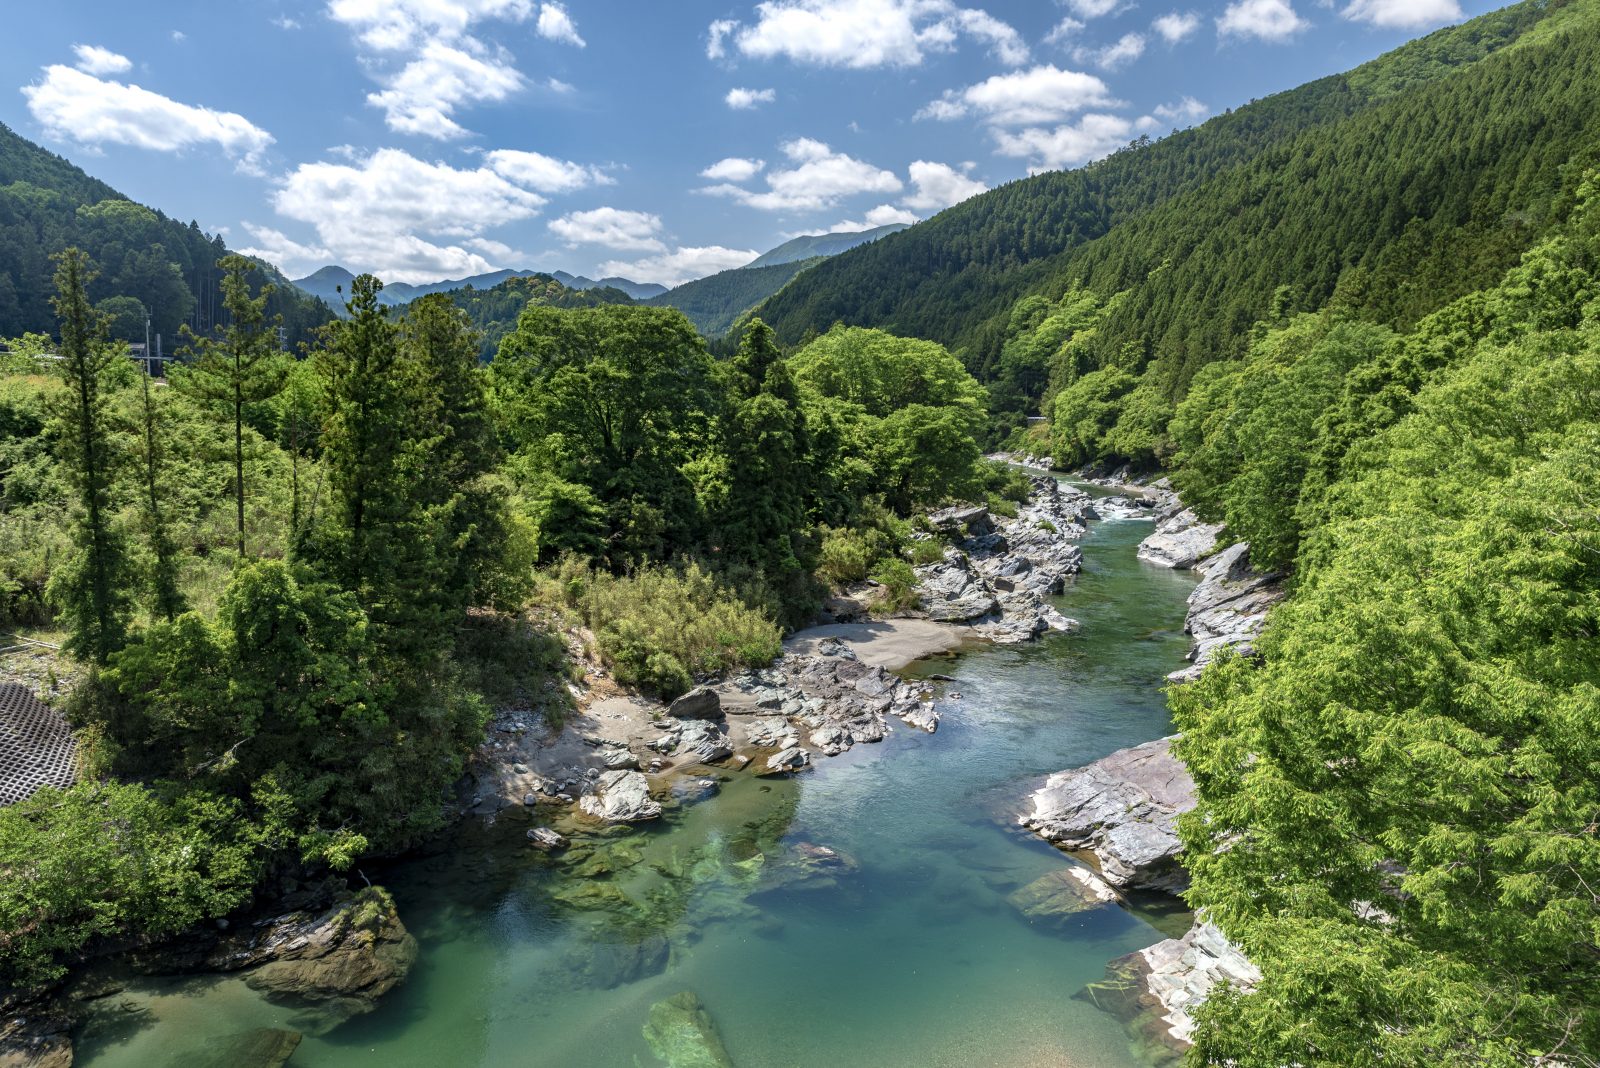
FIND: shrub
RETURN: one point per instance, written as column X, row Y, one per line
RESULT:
column 899, row 586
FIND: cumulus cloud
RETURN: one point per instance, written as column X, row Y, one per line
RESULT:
column 680, row 265
column 406, row 219
column 1267, row 20
column 629, row 231
column 938, row 186
column 1403, row 14
column 819, row 178
column 92, row 59
column 427, row 91
column 72, row 105
column 1023, row 98
column 733, row 169
column 535, row 170
column 1177, row 25
column 291, row 257
column 1184, row 112
column 1091, row 137
column 882, row 215
column 862, row 33
column 744, row 99
column 556, row 25
column 444, row 67
column 1119, row 53
column 1093, row 9
column 1063, row 31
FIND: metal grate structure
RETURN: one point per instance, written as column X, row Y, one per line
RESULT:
column 35, row 745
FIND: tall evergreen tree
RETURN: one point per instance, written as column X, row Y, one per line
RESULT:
column 166, row 597
column 238, row 369
column 91, row 590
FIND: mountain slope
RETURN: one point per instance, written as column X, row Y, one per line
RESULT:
column 47, row 204
column 494, row 310
column 810, row 246
column 714, row 304
column 1385, row 179
column 322, row 283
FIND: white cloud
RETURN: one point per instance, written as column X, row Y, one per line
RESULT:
column 733, row 169
column 938, row 186
column 1093, row 9
column 1186, row 111
column 1403, row 14
column 1063, row 31
column 556, row 25
column 556, row 85
column 680, row 265
column 1268, row 20
column 179, row 36
column 72, row 105
column 427, row 91
column 92, row 59
column 819, row 179
column 289, row 256
column 1091, row 137
column 396, row 25
column 1023, row 98
column 445, row 67
column 1119, row 53
column 502, row 252
column 404, row 218
column 744, row 99
column 1175, row 26
column 544, row 173
column 284, row 22
column 862, row 33
column 632, row 231
column 882, row 215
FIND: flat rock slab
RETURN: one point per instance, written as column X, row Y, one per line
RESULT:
column 681, row 1033
column 1157, row 990
column 1124, row 809
column 1180, row 541
column 620, row 797
column 1053, row 898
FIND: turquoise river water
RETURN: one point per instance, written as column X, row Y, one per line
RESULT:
column 914, row 960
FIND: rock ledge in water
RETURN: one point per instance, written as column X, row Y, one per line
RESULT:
column 620, row 797
column 1124, row 808
column 1157, row 990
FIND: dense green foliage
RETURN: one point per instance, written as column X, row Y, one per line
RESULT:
column 493, row 311
column 1398, row 807
column 1383, row 191
column 714, row 304
column 170, row 270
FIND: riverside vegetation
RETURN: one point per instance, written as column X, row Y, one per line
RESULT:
column 1358, row 323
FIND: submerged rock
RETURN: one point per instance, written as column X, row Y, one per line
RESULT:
column 1052, row 898
column 34, row 1036
column 545, row 838
column 1124, row 808
column 603, row 965
column 339, row 961
column 620, row 797
column 263, row 1047
column 681, row 1033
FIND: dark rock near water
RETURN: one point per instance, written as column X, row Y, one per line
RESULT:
column 264, row 1047
column 603, row 965
column 702, row 702
column 1124, row 809
column 1050, row 900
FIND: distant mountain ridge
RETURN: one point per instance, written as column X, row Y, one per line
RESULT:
column 326, row 282
column 812, row 246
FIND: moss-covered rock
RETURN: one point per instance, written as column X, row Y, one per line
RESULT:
column 681, row 1033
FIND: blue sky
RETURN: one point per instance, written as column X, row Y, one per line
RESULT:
column 660, row 139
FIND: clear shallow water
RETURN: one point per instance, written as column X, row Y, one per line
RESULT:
column 915, row 959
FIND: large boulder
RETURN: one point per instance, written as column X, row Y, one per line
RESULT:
column 702, row 702
column 680, row 1032
column 263, row 1047
column 702, row 742
column 339, row 961
column 1124, row 809
column 620, row 797
column 1180, row 541
column 951, row 591
column 606, row 964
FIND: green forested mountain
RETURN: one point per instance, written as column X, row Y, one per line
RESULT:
column 1390, row 187
column 47, row 204
column 810, row 246
column 714, row 304
column 493, row 311
column 329, row 282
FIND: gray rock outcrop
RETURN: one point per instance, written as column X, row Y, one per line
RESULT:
column 1124, row 809
column 701, row 702
column 1180, row 540
column 620, row 797
column 1228, row 608
column 1157, row 989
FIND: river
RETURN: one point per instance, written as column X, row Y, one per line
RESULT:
column 913, row 960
